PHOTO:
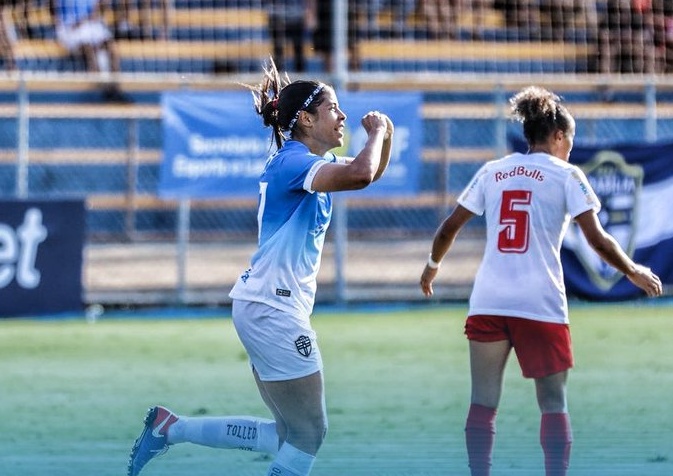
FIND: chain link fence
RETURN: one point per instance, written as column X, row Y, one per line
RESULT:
column 57, row 139
column 144, row 250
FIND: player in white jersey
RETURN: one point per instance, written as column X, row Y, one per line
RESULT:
column 518, row 300
column 273, row 299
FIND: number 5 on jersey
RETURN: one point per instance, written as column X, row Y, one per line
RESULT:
column 513, row 238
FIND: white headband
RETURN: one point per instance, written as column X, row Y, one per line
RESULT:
column 308, row 101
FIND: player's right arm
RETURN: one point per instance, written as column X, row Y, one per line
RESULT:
column 366, row 167
column 612, row 253
column 444, row 238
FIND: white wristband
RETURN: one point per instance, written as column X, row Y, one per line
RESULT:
column 432, row 264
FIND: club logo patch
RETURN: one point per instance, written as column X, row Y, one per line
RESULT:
column 303, row 345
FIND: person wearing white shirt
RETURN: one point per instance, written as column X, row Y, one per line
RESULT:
column 518, row 300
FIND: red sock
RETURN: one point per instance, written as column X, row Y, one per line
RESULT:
column 479, row 437
column 556, row 438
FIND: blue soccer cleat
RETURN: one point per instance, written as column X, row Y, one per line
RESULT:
column 152, row 442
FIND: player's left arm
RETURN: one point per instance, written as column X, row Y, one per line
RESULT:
column 612, row 253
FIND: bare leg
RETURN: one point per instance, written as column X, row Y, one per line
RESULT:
column 299, row 408
column 487, row 366
column 281, row 429
column 551, row 393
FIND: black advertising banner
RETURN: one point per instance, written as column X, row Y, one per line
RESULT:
column 41, row 244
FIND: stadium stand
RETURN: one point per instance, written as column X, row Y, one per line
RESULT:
column 202, row 39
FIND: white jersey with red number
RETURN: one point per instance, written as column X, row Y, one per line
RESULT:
column 528, row 201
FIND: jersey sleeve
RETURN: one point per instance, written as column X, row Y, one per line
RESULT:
column 329, row 158
column 580, row 196
column 472, row 196
column 298, row 170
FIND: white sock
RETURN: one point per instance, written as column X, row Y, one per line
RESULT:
column 291, row 462
column 238, row 432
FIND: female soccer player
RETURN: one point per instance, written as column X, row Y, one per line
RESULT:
column 273, row 299
column 518, row 299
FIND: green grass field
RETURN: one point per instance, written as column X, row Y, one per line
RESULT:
column 73, row 394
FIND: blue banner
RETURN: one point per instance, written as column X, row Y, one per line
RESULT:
column 634, row 183
column 215, row 145
column 402, row 175
column 41, row 246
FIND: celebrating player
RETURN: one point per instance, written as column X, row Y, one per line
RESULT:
column 518, row 300
column 273, row 299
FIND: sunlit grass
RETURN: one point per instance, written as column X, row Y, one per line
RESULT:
column 73, row 394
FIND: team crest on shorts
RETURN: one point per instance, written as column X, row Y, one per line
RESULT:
column 303, row 345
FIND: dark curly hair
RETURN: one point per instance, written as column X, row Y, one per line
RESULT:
column 541, row 113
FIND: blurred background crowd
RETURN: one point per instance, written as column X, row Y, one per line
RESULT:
column 622, row 36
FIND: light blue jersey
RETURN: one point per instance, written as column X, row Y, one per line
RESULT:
column 292, row 221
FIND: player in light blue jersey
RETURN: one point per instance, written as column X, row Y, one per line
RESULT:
column 273, row 299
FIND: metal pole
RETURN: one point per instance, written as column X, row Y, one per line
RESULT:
column 182, row 240
column 340, row 41
column 650, row 112
column 23, row 141
column 182, row 248
column 444, row 178
column 340, row 214
column 132, row 178
column 501, row 124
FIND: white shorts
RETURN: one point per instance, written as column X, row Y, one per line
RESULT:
column 281, row 346
column 88, row 32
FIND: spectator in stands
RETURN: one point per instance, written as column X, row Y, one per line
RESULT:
column 573, row 21
column 287, row 25
column 478, row 10
column 323, row 37
column 570, row 20
column 626, row 37
column 13, row 25
column 518, row 299
column 663, row 34
column 441, row 17
column 7, row 36
column 401, row 11
column 134, row 19
column 273, row 300
column 81, row 30
column 522, row 16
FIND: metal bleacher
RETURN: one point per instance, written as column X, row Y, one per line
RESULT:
column 199, row 38
column 204, row 35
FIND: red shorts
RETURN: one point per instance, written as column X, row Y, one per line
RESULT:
column 542, row 348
